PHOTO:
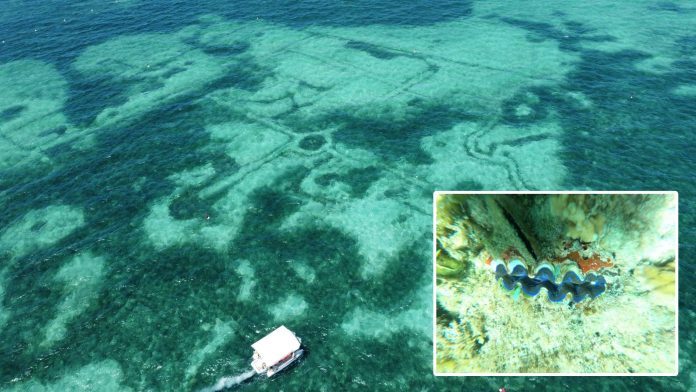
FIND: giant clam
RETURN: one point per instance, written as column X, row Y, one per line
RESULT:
column 558, row 280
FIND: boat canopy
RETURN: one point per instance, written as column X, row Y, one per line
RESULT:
column 276, row 345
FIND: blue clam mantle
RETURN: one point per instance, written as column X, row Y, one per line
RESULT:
column 571, row 282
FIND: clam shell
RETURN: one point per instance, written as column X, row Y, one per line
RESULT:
column 560, row 281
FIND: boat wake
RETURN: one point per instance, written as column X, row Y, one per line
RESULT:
column 229, row 382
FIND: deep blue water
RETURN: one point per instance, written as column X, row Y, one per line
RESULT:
column 146, row 311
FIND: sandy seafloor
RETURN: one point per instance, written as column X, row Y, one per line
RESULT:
column 178, row 178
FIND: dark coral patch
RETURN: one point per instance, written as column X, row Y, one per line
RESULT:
column 11, row 112
column 312, row 142
column 359, row 179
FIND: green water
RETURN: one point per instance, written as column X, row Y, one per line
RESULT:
column 178, row 179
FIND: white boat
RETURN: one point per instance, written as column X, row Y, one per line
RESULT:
column 276, row 351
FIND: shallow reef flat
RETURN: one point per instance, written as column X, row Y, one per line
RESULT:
column 521, row 289
column 175, row 181
column 30, row 111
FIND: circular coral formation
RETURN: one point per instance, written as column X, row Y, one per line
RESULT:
column 312, row 142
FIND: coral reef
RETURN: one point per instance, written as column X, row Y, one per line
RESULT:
column 457, row 240
column 658, row 281
column 583, row 221
column 462, row 339
column 468, row 230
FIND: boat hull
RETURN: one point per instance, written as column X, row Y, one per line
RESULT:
column 260, row 367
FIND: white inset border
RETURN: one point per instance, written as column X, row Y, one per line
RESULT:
column 676, row 283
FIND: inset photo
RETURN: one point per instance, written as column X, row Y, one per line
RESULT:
column 532, row 283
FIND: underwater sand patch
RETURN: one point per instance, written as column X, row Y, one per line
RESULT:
column 687, row 90
column 248, row 142
column 380, row 325
column 193, row 177
column 220, row 219
column 4, row 313
column 291, row 308
column 378, row 224
column 221, row 333
column 105, row 376
column 37, row 229
column 247, row 272
column 264, row 39
column 154, row 68
column 31, row 116
column 380, row 228
column 41, row 228
column 303, row 271
column 80, row 278
column 370, row 324
column 510, row 266
column 605, row 27
column 165, row 231
column 497, row 155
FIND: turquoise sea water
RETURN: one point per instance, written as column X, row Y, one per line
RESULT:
column 178, row 178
